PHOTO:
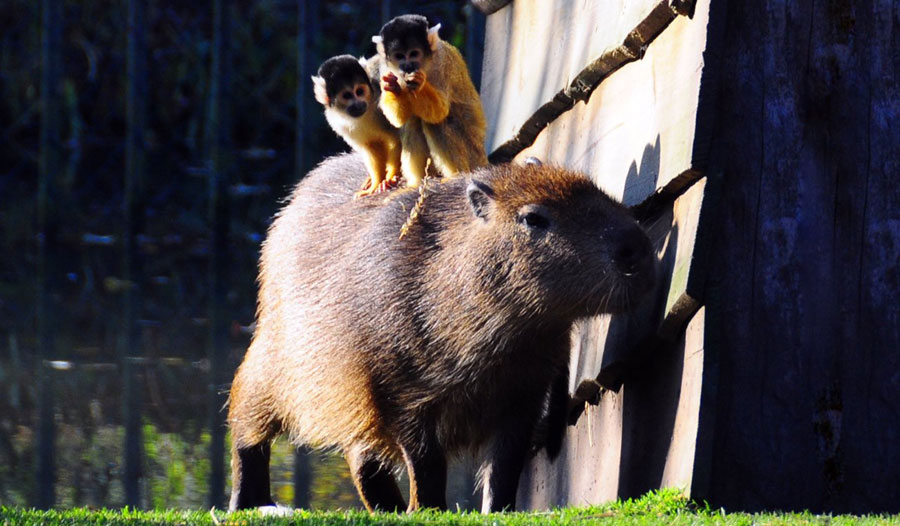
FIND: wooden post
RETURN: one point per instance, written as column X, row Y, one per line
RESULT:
column 50, row 156
column 135, row 166
column 217, row 135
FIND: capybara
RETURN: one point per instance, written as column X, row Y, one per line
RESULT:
column 445, row 341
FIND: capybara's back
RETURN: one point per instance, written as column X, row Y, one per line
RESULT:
column 408, row 350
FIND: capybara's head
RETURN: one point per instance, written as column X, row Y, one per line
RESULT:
column 557, row 245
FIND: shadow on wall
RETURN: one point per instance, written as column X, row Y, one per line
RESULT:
column 646, row 370
column 621, row 349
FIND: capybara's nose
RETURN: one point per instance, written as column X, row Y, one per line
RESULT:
column 634, row 254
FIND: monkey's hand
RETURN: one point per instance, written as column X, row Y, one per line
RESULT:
column 415, row 80
column 391, row 84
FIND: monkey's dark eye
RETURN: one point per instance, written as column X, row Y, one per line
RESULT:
column 360, row 91
column 414, row 53
column 346, row 95
column 398, row 56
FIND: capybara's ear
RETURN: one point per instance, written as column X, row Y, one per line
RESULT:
column 481, row 197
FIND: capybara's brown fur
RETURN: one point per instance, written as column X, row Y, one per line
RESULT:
column 409, row 350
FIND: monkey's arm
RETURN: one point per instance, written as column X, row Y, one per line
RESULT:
column 396, row 107
column 429, row 104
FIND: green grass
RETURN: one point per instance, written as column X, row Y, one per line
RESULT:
column 664, row 507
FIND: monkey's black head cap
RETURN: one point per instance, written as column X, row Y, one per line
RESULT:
column 340, row 72
column 406, row 31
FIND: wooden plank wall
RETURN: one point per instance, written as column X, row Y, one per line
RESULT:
column 635, row 135
column 803, row 310
column 532, row 50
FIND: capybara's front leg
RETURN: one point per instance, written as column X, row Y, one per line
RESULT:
column 509, row 450
column 501, row 473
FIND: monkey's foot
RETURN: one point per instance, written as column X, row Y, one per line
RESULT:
column 370, row 188
column 391, row 181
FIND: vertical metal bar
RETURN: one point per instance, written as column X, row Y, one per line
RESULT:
column 301, row 94
column 302, row 479
column 135, row 165
column 218, row 132
column 49, row 163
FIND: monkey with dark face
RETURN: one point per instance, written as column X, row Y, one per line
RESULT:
column 428, row 94
column 350, row 99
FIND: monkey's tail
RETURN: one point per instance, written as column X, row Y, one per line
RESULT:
column 416, row 210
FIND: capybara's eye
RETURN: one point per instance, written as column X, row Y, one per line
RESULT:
column 534, row 220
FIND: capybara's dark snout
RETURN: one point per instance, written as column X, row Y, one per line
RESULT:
column 633, row 254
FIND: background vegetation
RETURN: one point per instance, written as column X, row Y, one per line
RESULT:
column 137, row 181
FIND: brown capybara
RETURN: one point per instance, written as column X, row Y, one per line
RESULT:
column 447, row 340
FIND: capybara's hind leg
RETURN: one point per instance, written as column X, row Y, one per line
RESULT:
column 426, row 464
column 250, row 477
column 376, row 484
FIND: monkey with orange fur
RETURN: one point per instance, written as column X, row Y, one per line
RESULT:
column 427, row 93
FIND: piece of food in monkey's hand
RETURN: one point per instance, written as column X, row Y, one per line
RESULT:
column 414, row 80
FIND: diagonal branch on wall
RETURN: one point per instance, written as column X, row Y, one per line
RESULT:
column 584, row 84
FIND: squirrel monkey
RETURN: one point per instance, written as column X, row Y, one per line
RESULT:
column 427, row 93
column 344, row 88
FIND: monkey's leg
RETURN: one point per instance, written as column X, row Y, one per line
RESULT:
column 250, row 477
column 457, row 143
column 376, row 158
column 373, row 480
column 426, row 464
column 414, row 157
column 392, row 175
column 445, row 152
